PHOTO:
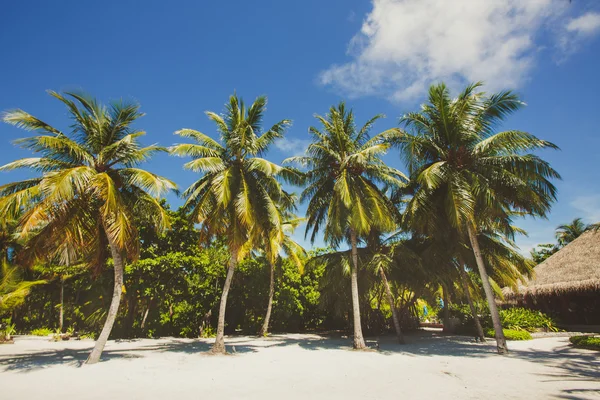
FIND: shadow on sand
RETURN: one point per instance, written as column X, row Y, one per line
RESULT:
column 566, row 362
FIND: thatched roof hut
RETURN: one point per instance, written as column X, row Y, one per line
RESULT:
column 574, row 268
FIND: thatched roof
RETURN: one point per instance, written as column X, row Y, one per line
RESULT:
column 574, row 268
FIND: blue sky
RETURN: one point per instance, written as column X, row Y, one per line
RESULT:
column 179, row 59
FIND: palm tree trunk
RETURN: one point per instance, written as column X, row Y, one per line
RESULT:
column 265, row 326
column 464, row 280
column 61, row 311
column 359, row 341
column 395, row 317
column 489, row 294
column 145, row 317
column 219, row 346
column 94, row 356
column 446, row 316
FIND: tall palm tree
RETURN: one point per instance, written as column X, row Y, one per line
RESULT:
column 238, row 192
column 275, row 242
column 455, row 155
column 566, row 233
column 345, row 178
column 88, row 188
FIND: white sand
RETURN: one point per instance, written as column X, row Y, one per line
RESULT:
column 299, row 367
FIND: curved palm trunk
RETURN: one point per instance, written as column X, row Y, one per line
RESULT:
column 219, row 346
column 464, row 280
column 94, row 356
column 265, row 326
column 62, row 298
column 359, row 341
column 395, row 317
column 489, row 294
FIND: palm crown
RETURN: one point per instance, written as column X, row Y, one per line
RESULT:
column 239, row 192
column 345, row 177
column 452, row 150
column 90, row 186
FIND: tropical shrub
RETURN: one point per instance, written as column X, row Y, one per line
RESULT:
column 528, row 320
column 510, row 334
column 7, row 329
column 586, row 342
column 41, row 332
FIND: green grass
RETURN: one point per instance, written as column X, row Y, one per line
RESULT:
column 511, row 334
column 586, row 342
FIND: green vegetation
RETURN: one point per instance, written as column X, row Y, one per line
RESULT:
column 510, row 334
column 517, row 319
column 528, row 320
column 41, row 332
column 586, row 342
column 88, row 243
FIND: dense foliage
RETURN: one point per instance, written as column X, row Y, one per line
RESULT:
column 517, row 319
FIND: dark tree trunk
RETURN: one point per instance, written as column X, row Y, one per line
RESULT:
column 219, row 346
column 131, row 308
column 94, row 356
column 359, row 341
column 265, row 326
column 446, row 299
column 489, row 293
column 395, row 316
column 464, row 280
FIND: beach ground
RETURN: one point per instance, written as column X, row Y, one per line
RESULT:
column 299, row 366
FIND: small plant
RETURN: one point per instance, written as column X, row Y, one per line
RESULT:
column 586, row 342
column 87, row 335
column 41, row 332
column 8, row 331
column 511, row 334
column 57, row 336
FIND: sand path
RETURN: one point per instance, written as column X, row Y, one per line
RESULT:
column 299, row 366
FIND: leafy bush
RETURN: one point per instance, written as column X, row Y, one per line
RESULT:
column 510, row 334
column 528, row 320
column 517, row 319
column 586, row 342
column 41, row 332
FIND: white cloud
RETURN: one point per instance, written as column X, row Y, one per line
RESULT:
column 405, row 45
column 588, row 206
column 293, row 147
column 586, row 25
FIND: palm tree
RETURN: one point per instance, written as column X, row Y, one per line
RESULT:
column 88, row 188
column 274, row 242
column 455, row 157
column 238, row 192
column 345, row 178
column 566, row 233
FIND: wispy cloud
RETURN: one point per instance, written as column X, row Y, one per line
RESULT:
column 404, row 45
column 292, row 147
column 586, row 25
column 588, row 206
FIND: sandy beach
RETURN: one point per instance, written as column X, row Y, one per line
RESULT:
column 299, row 366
